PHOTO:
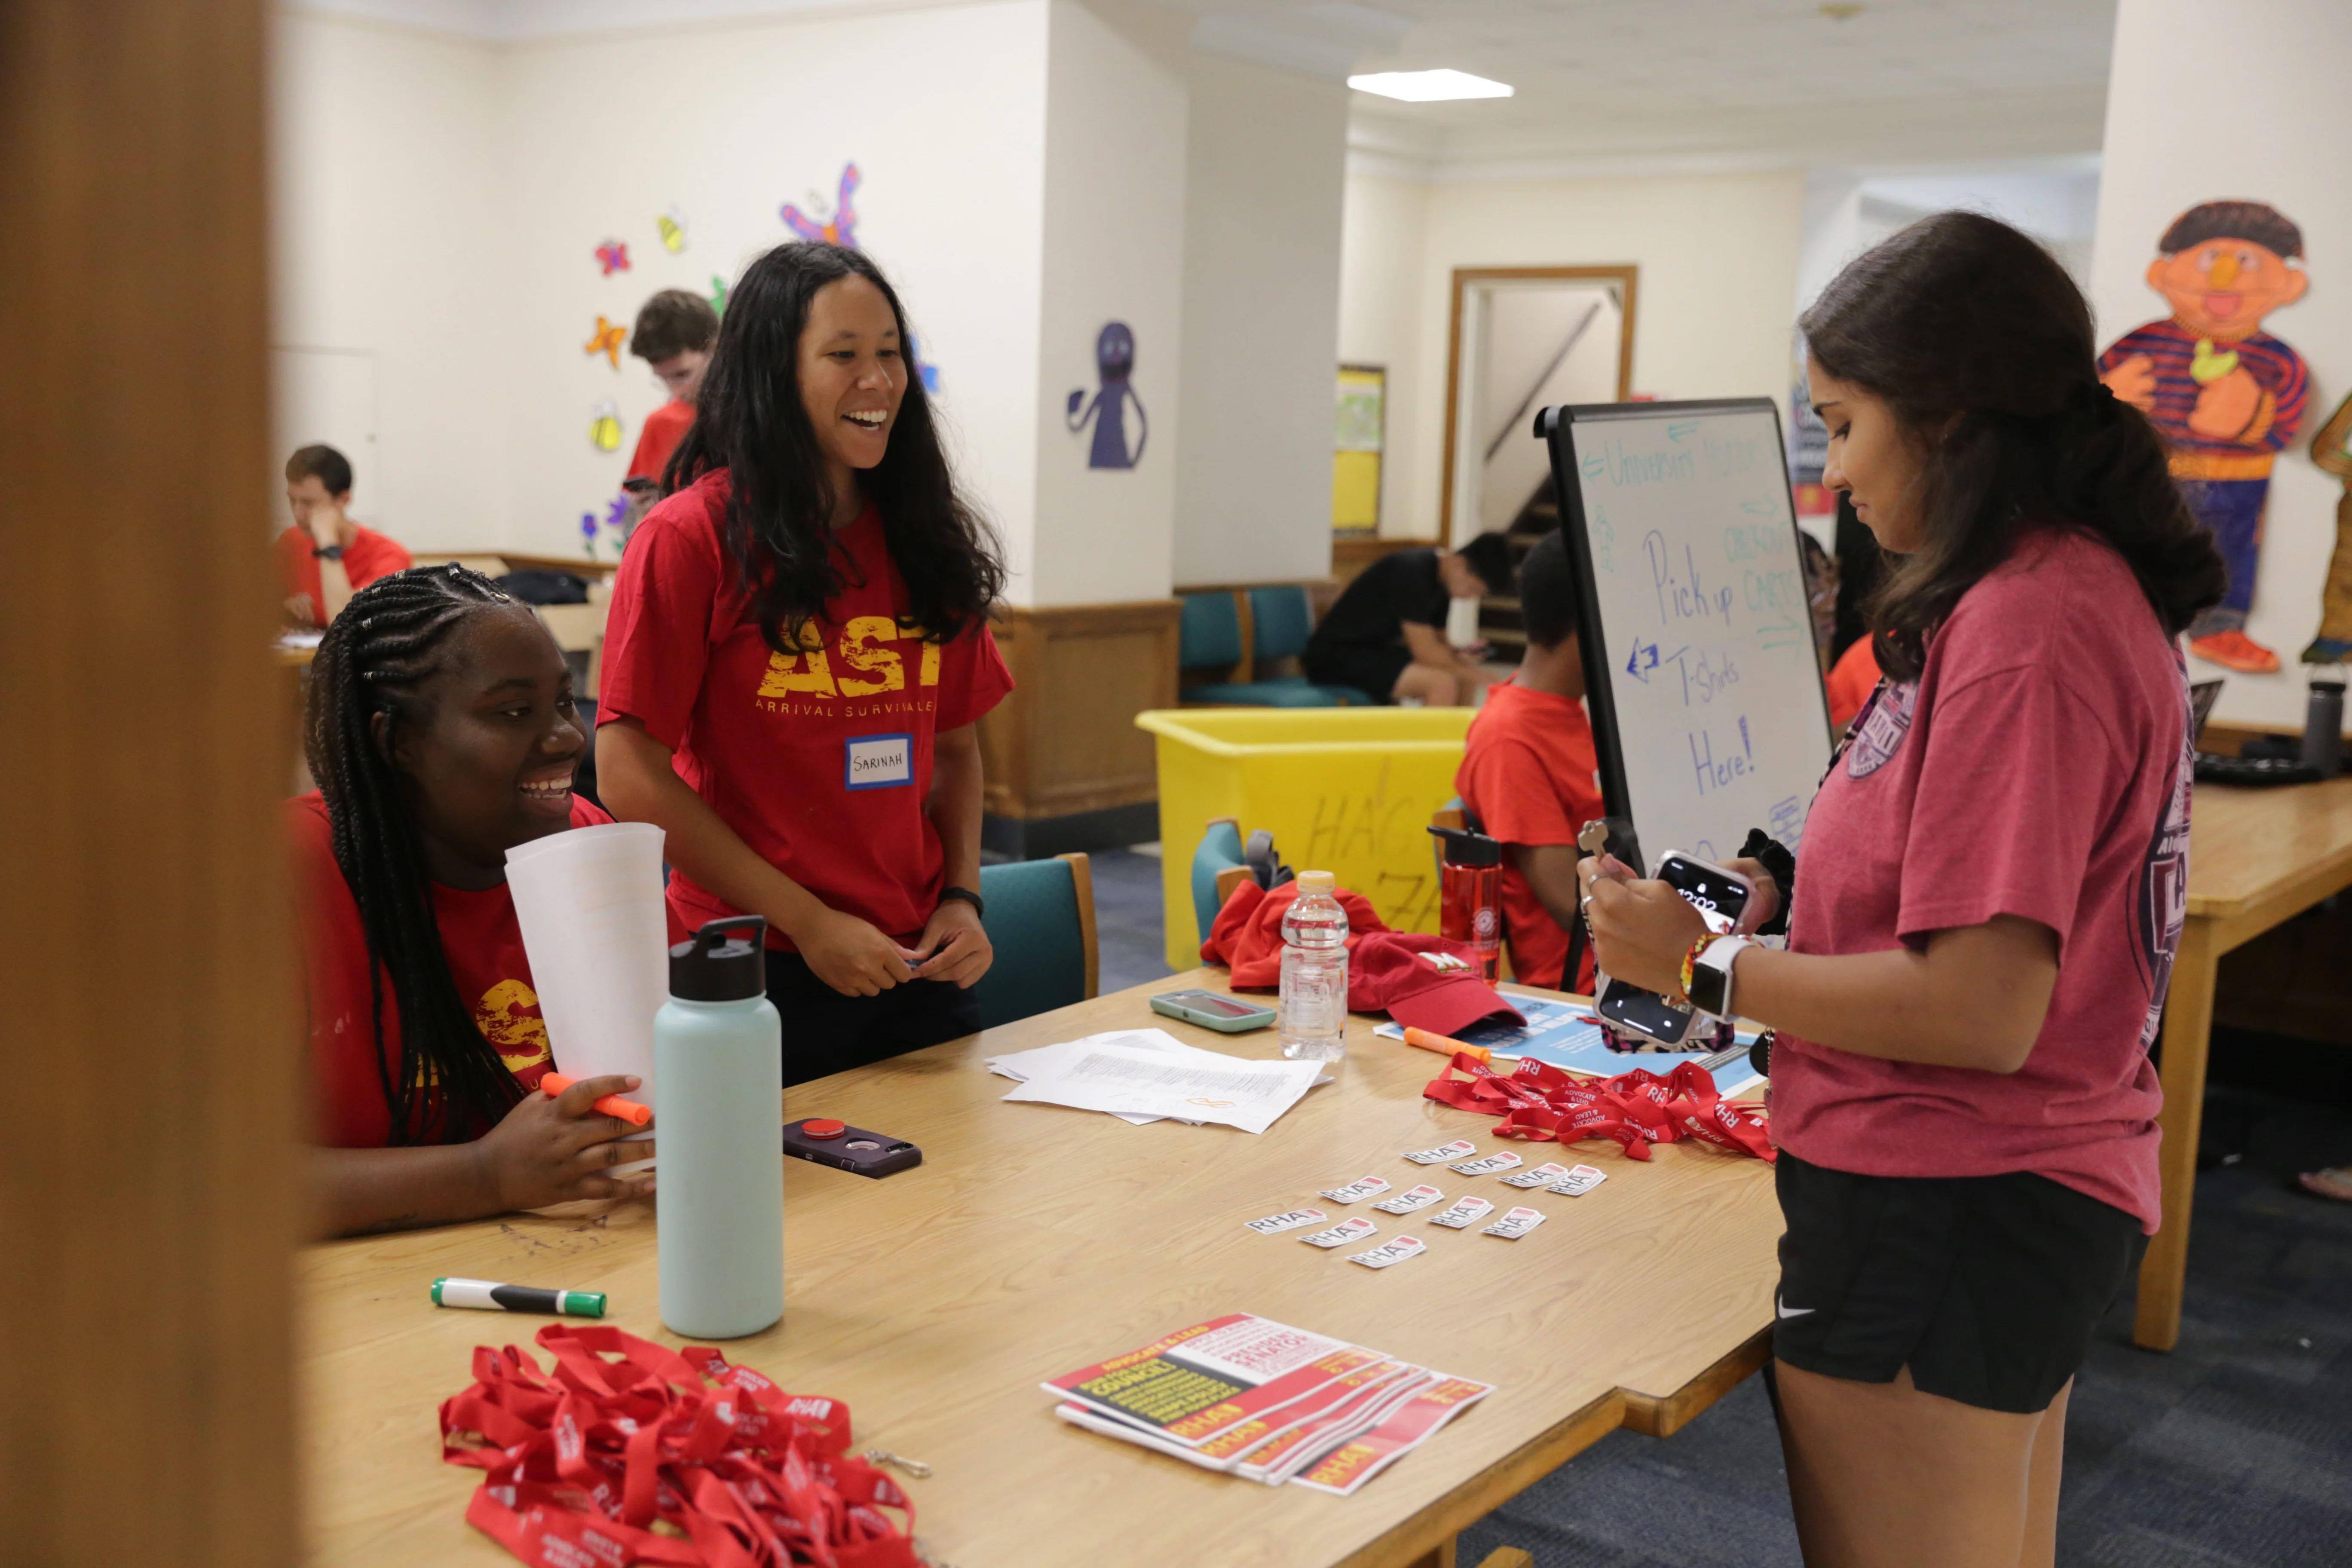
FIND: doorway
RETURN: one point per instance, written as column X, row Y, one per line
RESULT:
column 1521, row 339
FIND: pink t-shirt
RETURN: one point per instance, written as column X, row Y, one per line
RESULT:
column 2040, row 767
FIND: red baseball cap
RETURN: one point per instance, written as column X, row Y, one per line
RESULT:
column 1422, row 981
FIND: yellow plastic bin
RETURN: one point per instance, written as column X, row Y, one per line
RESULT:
column 1345, row 790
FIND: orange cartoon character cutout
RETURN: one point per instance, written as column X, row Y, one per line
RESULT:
column 2226, row 396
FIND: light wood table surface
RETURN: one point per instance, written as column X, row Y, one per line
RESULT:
column 2256, row 857
column 1034, row 1240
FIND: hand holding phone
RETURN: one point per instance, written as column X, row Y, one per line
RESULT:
column 1655, row 936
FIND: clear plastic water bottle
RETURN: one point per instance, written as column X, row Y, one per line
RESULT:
column 1315, row 971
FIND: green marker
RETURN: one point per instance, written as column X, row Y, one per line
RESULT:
column 493, row 1296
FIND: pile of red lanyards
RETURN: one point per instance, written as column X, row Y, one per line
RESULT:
column 1540, row 1103
column 638, row 1460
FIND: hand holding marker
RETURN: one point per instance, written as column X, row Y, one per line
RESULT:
column 628, row 1110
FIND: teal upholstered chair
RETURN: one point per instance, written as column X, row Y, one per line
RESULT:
column 1213, row 636
column 1281, row 620
column 1219, row 852
column 1041, row 921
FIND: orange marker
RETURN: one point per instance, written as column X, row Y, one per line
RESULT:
column 628, row 1110
column 1446, row 1045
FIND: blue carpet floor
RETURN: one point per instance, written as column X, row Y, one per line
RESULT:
column 2233, row 1451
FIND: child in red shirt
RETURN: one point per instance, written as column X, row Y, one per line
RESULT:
column 1527, row 775
column 796, row 661
column 325, row 557
column 441, row 731
column 673, row 334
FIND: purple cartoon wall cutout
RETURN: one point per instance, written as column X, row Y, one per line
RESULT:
column 1115, row 362
column 841, row 228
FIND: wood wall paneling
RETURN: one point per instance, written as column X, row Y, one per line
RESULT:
column 147, row 1206
column 1065, row 742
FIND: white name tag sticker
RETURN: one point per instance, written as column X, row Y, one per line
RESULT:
column 879, row 761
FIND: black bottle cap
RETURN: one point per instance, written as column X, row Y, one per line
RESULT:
column 1464, row 848
column 718, row 966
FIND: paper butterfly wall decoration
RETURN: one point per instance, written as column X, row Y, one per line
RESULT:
column 608, row 339
column 613, row 255
column 839, row 229
column 718, row 295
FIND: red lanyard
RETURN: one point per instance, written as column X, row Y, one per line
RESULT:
column 582, row 1464
column 1540, row 1103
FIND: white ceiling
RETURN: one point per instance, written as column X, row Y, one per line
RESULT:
column 1625, row 85
column 1727, row 82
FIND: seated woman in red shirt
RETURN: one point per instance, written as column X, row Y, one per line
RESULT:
column 440, row 729
column 796, row 661
column 1988, row 897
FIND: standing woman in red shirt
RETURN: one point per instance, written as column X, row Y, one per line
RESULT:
column 797, row 658
column 1986, row 898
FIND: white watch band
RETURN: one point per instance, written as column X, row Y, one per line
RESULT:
column 1719, row 955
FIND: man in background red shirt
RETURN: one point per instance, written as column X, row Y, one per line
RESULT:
column 674, row 333
column 1527, row 774
column 325, row 557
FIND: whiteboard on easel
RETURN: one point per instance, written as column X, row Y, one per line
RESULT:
column 1702, row 679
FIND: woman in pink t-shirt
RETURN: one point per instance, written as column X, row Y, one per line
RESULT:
column 1987, row 897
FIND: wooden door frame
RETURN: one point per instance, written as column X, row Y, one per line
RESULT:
column 1626, row 276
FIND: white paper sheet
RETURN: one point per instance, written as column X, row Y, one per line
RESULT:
column 1128, row 1080
column 590, row 905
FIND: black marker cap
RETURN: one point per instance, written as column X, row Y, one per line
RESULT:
column 718, row 966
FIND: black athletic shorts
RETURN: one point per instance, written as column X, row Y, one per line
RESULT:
column 1986, row 1287
column 1370, row 670
column 826, row 1032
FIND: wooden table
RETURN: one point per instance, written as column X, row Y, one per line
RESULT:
column 2256, row 857
column 1035, row 1240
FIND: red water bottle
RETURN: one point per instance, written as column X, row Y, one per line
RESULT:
column 1470, row 895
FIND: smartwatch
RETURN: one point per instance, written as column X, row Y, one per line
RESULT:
column 329, row 553
column 979, row 905
column 1710, row 976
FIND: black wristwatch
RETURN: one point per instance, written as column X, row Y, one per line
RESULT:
column 329, row 553
column 979, row 905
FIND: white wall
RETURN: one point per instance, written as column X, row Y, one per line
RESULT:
column 1717, row 260
column 1262, row 257
column 1383, row 222
column 388, row 245
column 1113, row 251
column 941, row 111
column 2283, row 61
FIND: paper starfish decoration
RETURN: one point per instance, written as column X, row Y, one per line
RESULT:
column 609, row 338
column 841, row 228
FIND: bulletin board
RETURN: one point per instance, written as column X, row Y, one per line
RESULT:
column 1362, row 432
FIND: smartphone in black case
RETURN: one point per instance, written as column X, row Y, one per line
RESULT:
column 826, row 1142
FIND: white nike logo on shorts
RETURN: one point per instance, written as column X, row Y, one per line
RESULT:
column 1792, row 1311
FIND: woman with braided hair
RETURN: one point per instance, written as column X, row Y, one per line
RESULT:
column 441, row 730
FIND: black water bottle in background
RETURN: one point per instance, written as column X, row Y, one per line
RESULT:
column 2323, row 729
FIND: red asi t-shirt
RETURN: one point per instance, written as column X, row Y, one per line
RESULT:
column 369, row 555
column 664, row 427
column 1526, row 775
column 820, row 760
column 2040, row 767
column 483, row 946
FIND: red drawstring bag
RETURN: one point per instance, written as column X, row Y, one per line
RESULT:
column 628, row 1455
column 1541, row 1104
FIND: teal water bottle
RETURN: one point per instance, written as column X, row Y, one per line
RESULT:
column 719, row 1197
